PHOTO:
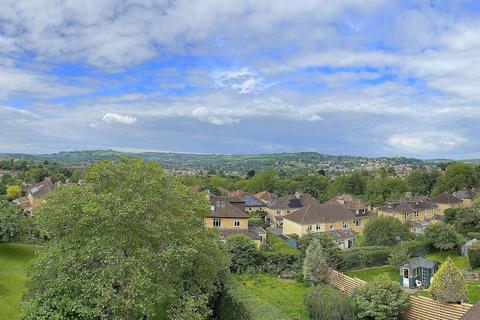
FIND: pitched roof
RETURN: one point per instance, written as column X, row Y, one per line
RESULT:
column 41, row 189
column 446, row 198
column 465, row 194
column 251, row 201
column 252, row 234
column 292, row 202
column 316, row 212
column 342, row 234
column 408, row 205
column 420, row 262
column 222, row 207
column 350, row 201
column 266, row 196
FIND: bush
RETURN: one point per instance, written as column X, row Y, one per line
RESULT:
column 474, row 256
column 326, row 303
column 330, row 248
column 276, row 244
column 381, row 299
column 13, row 225
column 363, row 257
column 315, row 265
column 448, row 284
column 278, row 262
column 415, row 248
column 473, row 235
column 237, row 303
column 442, row 236
column 398, row 256
column 243, row 253
column 386, row 231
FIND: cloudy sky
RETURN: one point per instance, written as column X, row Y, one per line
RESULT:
column 366, row 77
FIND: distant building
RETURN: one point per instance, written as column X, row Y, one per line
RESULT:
column 36, row 195
column 265, row 196
column 342, row 217
column 467, row 196
column 413, row 208
column 284, row 205
column 445, row 201
column 252, row 204
column 228, row 215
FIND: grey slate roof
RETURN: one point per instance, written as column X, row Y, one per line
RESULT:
column 319, row 213
column 251, row 201
column 420, row 262
column 41, row 189
column 222, row 207
column 446, row 198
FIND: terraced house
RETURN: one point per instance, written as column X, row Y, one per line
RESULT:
column 446, row 201
column 284, row 205
column 416, row 208
column 227, row 214
column 342, row 217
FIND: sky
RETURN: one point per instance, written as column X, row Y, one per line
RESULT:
column 370, row 77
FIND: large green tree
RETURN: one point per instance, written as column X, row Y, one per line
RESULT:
column 386, row 231
column 128, row 244
column 442, row 236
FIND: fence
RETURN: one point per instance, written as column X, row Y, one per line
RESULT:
column 419, row 308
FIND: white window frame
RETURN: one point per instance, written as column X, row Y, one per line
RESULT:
column 345, row 224
column 309, row 227
column 358, row 222
column 318, row 226
column 217, row 222
column 331, row 226
column 236, row 223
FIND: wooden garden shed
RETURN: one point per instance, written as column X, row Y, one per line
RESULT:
column 418, row 271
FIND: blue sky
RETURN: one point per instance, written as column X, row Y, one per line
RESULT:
column 368, row 77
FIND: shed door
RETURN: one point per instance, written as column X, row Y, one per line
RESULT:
column 405, row 278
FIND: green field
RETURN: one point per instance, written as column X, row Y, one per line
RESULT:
column 460, row 262
column 14, row 258
column 370, row 274
column 286, row 295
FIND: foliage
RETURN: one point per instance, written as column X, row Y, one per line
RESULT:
column 457, row 176
column 450, row 215
column 243, row 252
column 326, row 303
column 363, row 257
column 315, row 265
column 276, row 244
column 382, row 189
column 421, row 181
column 467, row 220
column 13, row 191
column 415, row 248
column 13, row 224
column 315, row 185
column 381, row 299
column 448, row 285
column 473, row 235
column 237, row 303
column 474, row 256
column 386, row 231
column 329, row 247
column 276, row 262
column 128, row 242
column 441, row 236
column 398, row 256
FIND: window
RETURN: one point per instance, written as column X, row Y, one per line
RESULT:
column 414, row 272
column 217, row 222
column 331, row 226
column 345, row 224
column 416, row 214
column 318, row 226
column 288, row 211
column 309, row 227
column 358, row 222
column 236, row 223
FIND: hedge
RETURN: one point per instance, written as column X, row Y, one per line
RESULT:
column 474, row 256
column 415, row 248
column 277, row 262
column 473, row 235
column 237, row 303
column 363, row 257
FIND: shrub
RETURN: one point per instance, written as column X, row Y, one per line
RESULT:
column 474, row 256
column 315, row 265
column 381, row 299
column 386, row 231
column 237, row 303
column 473, row 235
column 441, row 236
column 329, row 247
column 450, row 215
column 398, row 256
column 278, row 262
column 276, row 244
column 243, row 252
column 13, row 225
column 415, row 248
column 326, row 303
column 363, row 257
column 448, row 284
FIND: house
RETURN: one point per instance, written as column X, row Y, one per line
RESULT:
column 342, row 222
column 466, row 246
column 265, row 196
column 418, row 272
column 284, row 205
column 467, row 196
column 252, row 204
column 36, row 195
column 418, row 227
column 227, row 214
column 413, row 208
column 445, row 201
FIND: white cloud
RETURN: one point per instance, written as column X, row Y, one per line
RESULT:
column 116, row 118
column 241, row 81
column 428, row 141
column 205, row 115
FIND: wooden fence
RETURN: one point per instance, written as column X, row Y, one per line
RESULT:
column 419, row 308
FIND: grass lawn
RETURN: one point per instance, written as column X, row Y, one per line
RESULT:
column 369, row 274
column 286, row 295
column 14, row 258
column 460, row 262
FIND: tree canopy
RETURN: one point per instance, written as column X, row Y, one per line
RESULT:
column 129, row 243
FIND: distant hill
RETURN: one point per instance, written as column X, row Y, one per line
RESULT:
column 292, row 162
